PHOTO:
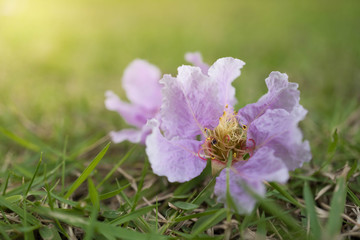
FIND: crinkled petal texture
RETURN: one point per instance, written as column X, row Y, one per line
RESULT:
column 141, row 83
column 225, row 71
column 194, row 100
column 176, row 158
column 281, row 95
column 195, row 58
column 189, row 103
column 249, row 176
column 273, row 121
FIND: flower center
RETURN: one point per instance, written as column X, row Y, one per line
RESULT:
column 228, row 138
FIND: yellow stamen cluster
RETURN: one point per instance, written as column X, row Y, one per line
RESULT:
column 227, row 138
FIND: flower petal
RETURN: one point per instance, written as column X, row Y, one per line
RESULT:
column 281, row 95
column 225, row 71
column 141, row 83
column 278, row 129
column 189, row 103
column 131, row 135
column 133, row 114
column 195, row 58
column 176, row 159
column 263, row 166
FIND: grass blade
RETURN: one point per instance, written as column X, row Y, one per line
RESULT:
column 20, row 140
column 285, row 193
column 315, row 228
column 113, row 193
column 33, row 177
column 131, row 216
column 337, row 206
column 208, row 221
column 84, row 175
column 122, row 160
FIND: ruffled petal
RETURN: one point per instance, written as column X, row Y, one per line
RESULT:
column 141, row 83
column 278, row 130
column 225, row 71
column 131, row 135
column 189, row 103
column 281, row 95
column 176, row 159
column 195, row 58
column 133, row 114
column 262, row 166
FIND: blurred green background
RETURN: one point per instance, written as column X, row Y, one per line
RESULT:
column 57, row 58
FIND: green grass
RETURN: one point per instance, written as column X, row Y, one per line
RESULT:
column 61, row 179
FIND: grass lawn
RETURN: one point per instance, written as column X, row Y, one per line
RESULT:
column 62, row 178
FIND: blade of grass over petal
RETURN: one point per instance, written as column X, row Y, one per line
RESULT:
column 315, row 227
column 229, row 200
column 122, row 160
column 84, row 175
column 337, row 206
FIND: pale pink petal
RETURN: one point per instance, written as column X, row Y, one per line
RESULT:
column 262, row 166
column 281, row 95
column 225, row 71
column 278, row 129
column 189, row 103
column 195, row 58
column 176, row 159
column 132, row 114
column 131, row 135
column 141, row 83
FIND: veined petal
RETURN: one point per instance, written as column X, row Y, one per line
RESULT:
column 189, row 103
column 133, row 114
column 225, row 71
column 262, row 166
column 278, row 130
column 195, row 58
column 141, row 83
column 281, row 95
column 176, row 159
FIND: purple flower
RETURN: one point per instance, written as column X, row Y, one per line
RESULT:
column 142, row 88
column 197, row 122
